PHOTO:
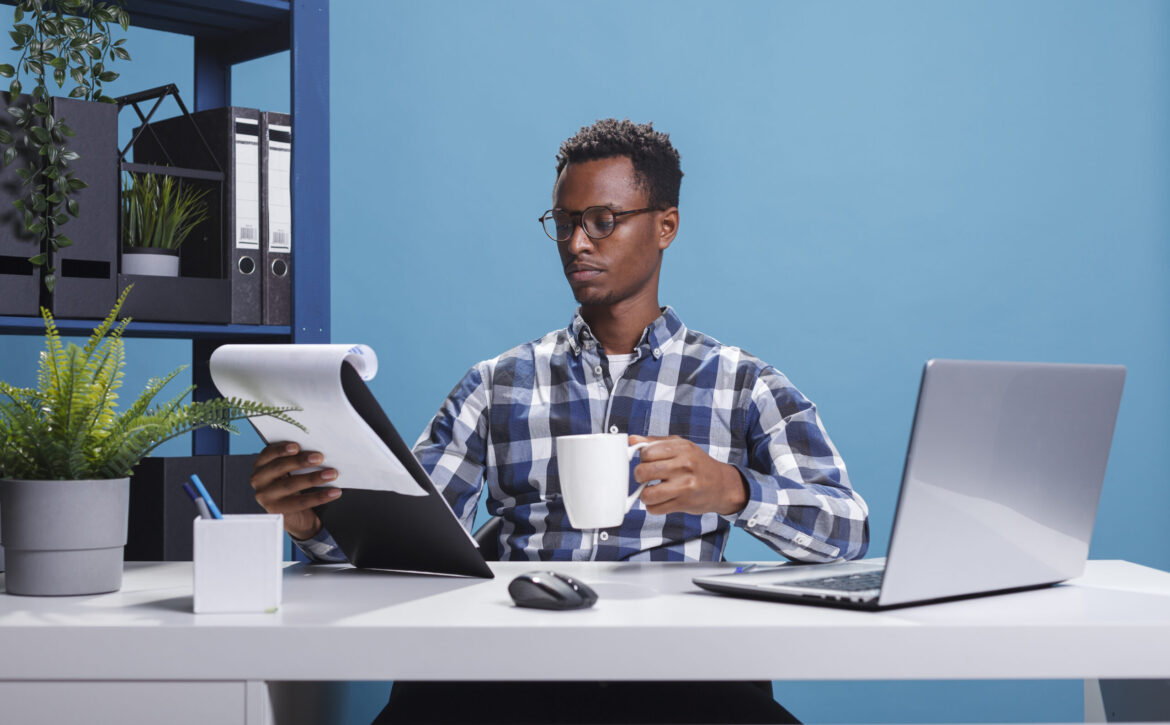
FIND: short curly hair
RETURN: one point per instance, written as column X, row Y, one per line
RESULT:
column 656, row 162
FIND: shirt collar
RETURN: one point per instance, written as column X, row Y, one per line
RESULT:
column 655, row 337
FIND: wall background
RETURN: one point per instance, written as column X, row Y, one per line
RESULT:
column 867, row 186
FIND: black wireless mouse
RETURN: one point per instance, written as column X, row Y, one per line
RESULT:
column 550, row 590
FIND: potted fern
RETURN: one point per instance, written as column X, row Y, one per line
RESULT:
column 157, row 217
column 66, row 453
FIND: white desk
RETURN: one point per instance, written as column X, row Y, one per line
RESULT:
column 1113, row 624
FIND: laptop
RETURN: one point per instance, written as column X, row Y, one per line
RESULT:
column 999, row 491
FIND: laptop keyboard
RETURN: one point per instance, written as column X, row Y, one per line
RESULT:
column 844, row 583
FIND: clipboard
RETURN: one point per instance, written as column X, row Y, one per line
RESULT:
column 388, row 530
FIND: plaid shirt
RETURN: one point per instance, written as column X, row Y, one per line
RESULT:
column 497, row 428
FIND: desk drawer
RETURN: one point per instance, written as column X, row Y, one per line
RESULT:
column 98, row 703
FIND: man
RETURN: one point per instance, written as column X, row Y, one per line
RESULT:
column 734, row 442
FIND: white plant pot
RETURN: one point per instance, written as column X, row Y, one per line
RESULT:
column 151, row 262
column 64, row 538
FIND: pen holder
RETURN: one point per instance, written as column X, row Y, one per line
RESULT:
column 238, row 563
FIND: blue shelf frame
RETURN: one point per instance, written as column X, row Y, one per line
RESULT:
column 227, row 32
column 161, row 330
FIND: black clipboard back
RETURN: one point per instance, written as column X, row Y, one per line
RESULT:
column 388, row 530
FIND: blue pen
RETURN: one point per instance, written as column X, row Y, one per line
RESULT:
column 206, row 496
column 200, row 504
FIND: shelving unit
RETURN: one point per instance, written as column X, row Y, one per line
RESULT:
column 227, row 32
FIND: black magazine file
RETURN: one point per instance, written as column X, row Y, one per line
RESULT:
column 387, row 530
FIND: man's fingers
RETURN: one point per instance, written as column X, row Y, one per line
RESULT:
column 263, row 475
column 272, row 451
column 654, row 471
column 658, row 449
column 292, row 485
column 302, row 501
column 659, row 499
column 660, row 493
column 664, row 469
column 642, row 439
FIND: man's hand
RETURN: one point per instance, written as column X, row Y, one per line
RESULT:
column 692, row 481
column 280, row 492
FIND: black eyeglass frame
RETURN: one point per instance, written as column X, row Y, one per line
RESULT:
column 577, row 219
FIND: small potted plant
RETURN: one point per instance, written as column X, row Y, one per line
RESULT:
column 66, row 453
column 157, row 217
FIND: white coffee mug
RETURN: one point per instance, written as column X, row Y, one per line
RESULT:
column 595, row 476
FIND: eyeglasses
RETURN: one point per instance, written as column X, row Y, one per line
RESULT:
column 597, row 221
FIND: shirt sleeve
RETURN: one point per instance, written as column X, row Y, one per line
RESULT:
column 800, row 500
column 321, row 548
column 453, row 448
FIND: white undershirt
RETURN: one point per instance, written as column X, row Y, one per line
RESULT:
column 618, row 364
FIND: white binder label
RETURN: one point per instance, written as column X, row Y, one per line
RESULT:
column 247, row 175
column 279, row 188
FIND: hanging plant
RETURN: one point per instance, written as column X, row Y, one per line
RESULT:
column 61, row 39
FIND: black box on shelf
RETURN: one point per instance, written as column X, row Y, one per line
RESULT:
column 238, row 496
column 161, row 512
column 86, row 270
column 177, row 299
column 20, row 281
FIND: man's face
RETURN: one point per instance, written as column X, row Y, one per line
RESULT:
column 625, row 264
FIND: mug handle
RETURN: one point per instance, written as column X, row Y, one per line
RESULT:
column 630, row 456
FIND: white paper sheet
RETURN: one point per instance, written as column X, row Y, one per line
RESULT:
column 309, row 377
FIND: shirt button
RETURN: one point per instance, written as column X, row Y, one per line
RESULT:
column 613, row 429
column 657, row 353
column 801, row 540
column 751, row 522
column 604, row 536
column 597, row 370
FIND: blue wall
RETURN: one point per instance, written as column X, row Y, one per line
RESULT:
column 867, row 185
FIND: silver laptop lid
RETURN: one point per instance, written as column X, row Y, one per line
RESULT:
column 1002, row 477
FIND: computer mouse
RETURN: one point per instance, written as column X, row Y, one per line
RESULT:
column 550, row 590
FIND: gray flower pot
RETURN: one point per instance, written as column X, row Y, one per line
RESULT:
column 150, row 262
column 64, row 537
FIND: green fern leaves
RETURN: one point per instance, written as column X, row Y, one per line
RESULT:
column 69, row 428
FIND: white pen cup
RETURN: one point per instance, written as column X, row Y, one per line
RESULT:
column 237, row 563
column 594, row 472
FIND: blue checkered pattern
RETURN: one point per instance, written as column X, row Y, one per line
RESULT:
column 496, row 431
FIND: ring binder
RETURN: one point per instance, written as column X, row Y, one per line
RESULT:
column 276, row 216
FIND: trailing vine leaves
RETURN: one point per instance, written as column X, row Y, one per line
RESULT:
column 58, row 40
column 69, row 427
